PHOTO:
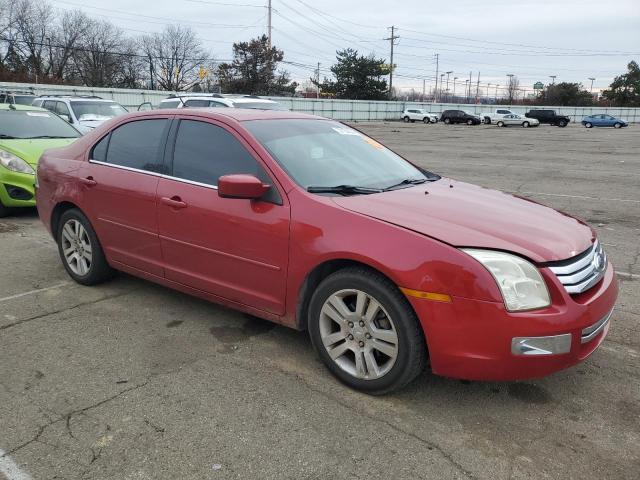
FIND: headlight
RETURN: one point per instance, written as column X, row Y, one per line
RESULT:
column 520, row 282
column 15, row 164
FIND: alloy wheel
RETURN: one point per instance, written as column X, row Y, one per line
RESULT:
column 76, row 247
column 358, row 334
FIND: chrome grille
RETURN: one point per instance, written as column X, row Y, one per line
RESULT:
column 594, row 330
column 582, row 272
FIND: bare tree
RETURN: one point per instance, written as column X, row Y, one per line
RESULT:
column 72, row 32
column 33, row 21
column 512, row 88
column 174, row 57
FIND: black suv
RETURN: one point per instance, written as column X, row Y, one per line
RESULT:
column 459, row 116
column 548, row 116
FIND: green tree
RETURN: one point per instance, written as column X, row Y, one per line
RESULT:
column 254, row 70
column 565, row 94
column 624, row 91
column 357, row 77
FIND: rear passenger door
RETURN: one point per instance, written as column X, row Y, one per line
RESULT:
column 119, row 184
column 232, row 248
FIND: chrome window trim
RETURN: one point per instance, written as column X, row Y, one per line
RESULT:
column 155, row 174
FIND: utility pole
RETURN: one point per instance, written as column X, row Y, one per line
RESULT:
column 478, row 88
column 592, row 79
column 435, row 92
column 318, row 81
column 496, row 97
column 510, row 89
column 470, row 83
column 447, row 89
column 424, row 86
column 454, row 88
column 553, row 79
column 392, row 38
column 269, row 23
column 466, row 91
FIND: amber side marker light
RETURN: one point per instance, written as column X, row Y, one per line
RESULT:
column 436, row 297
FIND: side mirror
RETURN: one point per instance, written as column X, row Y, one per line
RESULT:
column 241, row 186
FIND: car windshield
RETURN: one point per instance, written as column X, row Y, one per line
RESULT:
column 23, row 99
column 260, row 105
column 34, row 124
column 324, row 153
column 86, row 110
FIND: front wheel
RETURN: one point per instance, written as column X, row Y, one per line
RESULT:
column 365, row 331
column 80, row 250
column 617, row 125
column 487, row 120
column 525, row 124
column 500, row 124
column 425, row 120
column 588, row 125
column 562, row 123
column 406, row 119
column 447, row 121
column 469, row 122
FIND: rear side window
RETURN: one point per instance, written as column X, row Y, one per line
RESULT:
column 503, row 112
column 138, row 145
column 204, row 152
column 196, row 103
column 170, row 104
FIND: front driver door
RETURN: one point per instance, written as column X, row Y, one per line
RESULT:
column 235, row 249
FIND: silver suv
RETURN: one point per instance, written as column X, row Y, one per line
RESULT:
column 84, row 113
column 216, row 100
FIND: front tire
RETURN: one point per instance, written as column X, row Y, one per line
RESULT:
column 562, row 123
column 406, row 119
column 500, row 124
column 525, row 124
column 425, row 120
column 487, row 120
column 470, row 122
column 447, row 121
column 588, row 125
column 617, row 125
column 80, row 249
column 365, row 331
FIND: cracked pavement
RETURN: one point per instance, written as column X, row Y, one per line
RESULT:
column 130, row 380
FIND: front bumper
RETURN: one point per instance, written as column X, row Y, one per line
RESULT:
column 474, row 339
column 16, row 189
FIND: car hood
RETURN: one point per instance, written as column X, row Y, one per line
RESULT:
column 465, row 215
column 30, row 150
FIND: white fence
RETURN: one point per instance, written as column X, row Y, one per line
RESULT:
column 359, row 110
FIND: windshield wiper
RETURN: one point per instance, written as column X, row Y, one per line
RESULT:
column 407, row 181
column 344, row 190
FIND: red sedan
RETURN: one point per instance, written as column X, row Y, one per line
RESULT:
column 309, row 223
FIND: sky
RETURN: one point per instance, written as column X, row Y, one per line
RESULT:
column 571, row 39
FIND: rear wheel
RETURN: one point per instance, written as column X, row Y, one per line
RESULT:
column 525, row 124
column 487, row 120
column 562, row 123
column 80, row 250
column 365, row 331
column 500, row 124
column 469, row 122
column 425, row 120
column 617, row 125
column 406, row 119
column 447, row 121
column 588, row 125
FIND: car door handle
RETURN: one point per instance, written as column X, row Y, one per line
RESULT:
column 175, row 202
column 89, row 182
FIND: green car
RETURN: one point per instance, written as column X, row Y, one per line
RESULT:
column 26, row 132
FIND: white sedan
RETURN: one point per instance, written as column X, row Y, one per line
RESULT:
column 413, row 114
column 514, row 119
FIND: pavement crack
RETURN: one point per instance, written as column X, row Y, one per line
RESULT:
column 66, row 309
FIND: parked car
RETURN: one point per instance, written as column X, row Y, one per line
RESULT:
column 603, row 120
column 16, row 97
column 460, row 116
column 494, row 115
column 25, row 132
column 83, row 112
column 290, row 217
column 548, row 116
column 419, row 114
column 514, row 119
column 217, row 100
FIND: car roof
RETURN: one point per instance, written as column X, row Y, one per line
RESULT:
column 5, row 106
column 237, row 114
column 73, row 98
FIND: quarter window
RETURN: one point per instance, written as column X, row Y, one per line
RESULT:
column 99, row 151
column 138, row 145
column 204, row 152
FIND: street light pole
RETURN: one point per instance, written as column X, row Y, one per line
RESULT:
column 441, row 80
column 495, row 99
column 454, row 88
column 510, row 87
column 553, row 79
column 592, row 79
column 488, row 94
column 448, row 73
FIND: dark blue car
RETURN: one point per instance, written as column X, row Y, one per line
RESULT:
column 603, row 120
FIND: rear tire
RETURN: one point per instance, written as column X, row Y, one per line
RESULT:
column 447, row 121
column 80, row 249
column 470, row 122
column 562, row 123
column 425, row 120
column 500, row 124
column 588, row 125
column 617, row 125
column 365, row 331
column 406, row 119
column 487, row 120
column 525, row 124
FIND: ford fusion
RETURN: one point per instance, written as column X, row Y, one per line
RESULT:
column 311, row 224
